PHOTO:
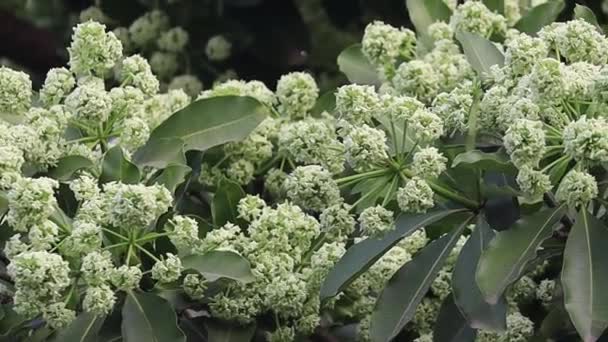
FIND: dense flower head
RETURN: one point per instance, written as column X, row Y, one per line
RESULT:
column 491, row 103
column 195, row 286
column 136, row 71
column 96, row 267
column 167, row 270
column 134, row 134
column 99, row 299
column 365, row 147
column 547, row 80
column 516, row 108
column 184, row 232
column 275, row 178
column 312, row 188
column 425, row 125
column 577, row 188
column 218, row 48
column 577, row 41
column 90, row 104
column 190, row 84
column 415, row 196
column 400, row 107
column 255, row 148
column 145, row 29
column 440, row 30
column 375, row 221
column 241, row 171
column 384, row 45
column 135, row 205
column 474, row 16
column 533, row 183
column 428, row 162
column 525, row 142
column 31, row 201
column 58, row 316
column 586, row 140
column 15, row 91
column 417, row 78
column 126, row 277
column 255, row 89
column 523, row 52
column 312, row 141
column 357, row 103
column 93, row 50
column 173, row 40
column 85, row 237
column 250, row 207
column 453, row 108
column 164, row 64
column 59, row 83
column 297, row 93
column 43, row 235
column 545, row 291
column 337, row 222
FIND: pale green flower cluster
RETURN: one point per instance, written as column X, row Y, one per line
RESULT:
column 218, row 48
column 475, row 17
column 375, row 221
column 297, row 94
column 15, row 91
column 384, row 45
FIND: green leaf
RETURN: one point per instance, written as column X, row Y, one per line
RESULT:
column 467, row 295
column 480, row 52
column 10, row 321
column 172, row 176
column 224, row 332
column 3, row 203
column 505, row 259
column 406, row 288
column 149, row 318
column 423, row 13
column 67, row 166
column 539, row 16
column 225, row 201
column 584, row 276
column 585, row 13
column 495, row 5
column 356, row 67
column 498, row 161
column 160, row 153
column 116, row 167
column 220, row 264
column 451, row 326
column 359, row 257
column 83, row 329
column 325, row 103
column 209, row 122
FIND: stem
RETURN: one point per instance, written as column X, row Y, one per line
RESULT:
column 555, row 162
column 394, row 138
column 364, row 197
column 362, row 175
column 116, row 245
column 446, row 193
column 404, row 135
column 145, row 239
column 146, row 252
column 115, row 234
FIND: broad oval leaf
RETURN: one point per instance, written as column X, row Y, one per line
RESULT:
column 495, row 5
column 356, row 67
column 160, row 153
column 505, row 259
column 84, row 328
column 225, row 201
column 67, row 166
column 220, row 264
column 116, row 167
column 539, row 16
column 423, row 13
column 480, row 52
column 498, row 161
column 451, row 326
column 172, row 176
column 467, row 296
column 584, row 276
column 362, row 255
column 149, row 318
column 585, row 13
column 210, row 122
column 406, row 288
column 224, row 332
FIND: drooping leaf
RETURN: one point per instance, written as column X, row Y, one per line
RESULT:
column 451, row 326
column 83, row 329
column 173, row 175
column 498, row 161
column 404, row 291
column 356, row 67
column 160, row 153
column 495, row 5
column 539, row 16
column 362, row 255
column 224, row 332
column 225, row 201
column 505, row 259
column 116, row 167
column 149, row 318
column 203, row 124
column 585, row 13
column 67, row 166
column 325, row 103
column 467, row 296
column 423, row 13
column 480, row 52
column 220, row 264
column 584, row 277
